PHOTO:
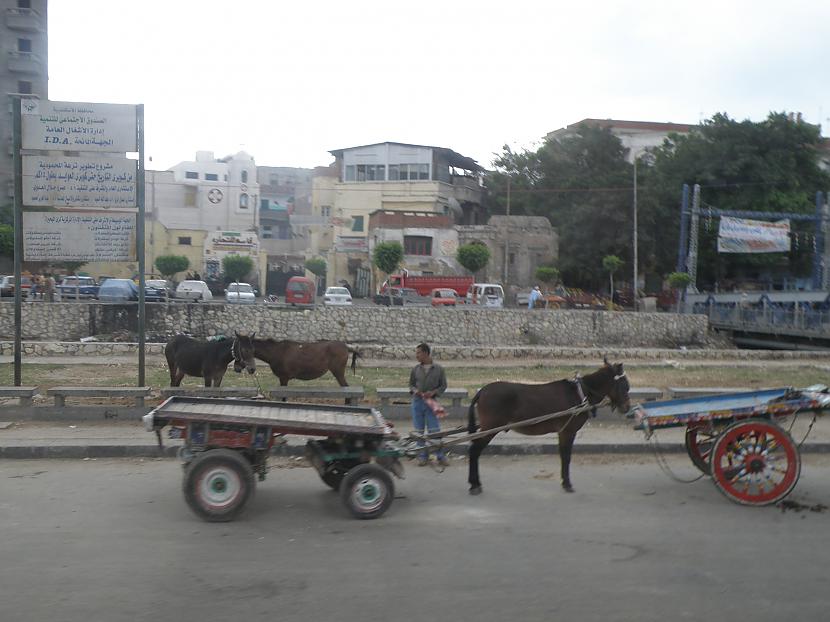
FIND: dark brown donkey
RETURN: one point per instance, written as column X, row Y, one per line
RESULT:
column 208, row 359
column 306, row 360
column 502, row 403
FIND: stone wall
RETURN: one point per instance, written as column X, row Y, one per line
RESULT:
column 469, row 328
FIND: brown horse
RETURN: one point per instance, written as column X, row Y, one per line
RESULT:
column 208, row 359
column 305, row 360
column 501, row 403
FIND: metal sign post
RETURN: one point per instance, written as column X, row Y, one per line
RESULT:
column 139, row 241
column 18, row 244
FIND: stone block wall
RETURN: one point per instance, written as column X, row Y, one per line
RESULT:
column 469, row 328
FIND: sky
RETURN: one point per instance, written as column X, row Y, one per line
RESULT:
column 289, row 81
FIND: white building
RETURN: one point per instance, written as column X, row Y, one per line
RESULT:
column 636, row 136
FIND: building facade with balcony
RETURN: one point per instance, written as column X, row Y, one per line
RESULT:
column 381, row 179
column 23, row 71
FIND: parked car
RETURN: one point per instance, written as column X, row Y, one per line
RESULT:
column 443, row 297
column 118, row 290
column 337, row 296
column 7, row 286
column 78, row 286
column 401, row 296
column 299, row 291
column 158, row 290
column 240, row 293
column 193, row 290
column 486, row 295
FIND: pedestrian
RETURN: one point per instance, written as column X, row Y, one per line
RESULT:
column 197, row 276
column 427, row 381
column 50, row 288
column 535, row 294
column 35, row 287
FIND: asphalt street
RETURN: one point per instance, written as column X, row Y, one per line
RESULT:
column 113, row 540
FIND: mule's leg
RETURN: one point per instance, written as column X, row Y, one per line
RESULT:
column 340, row 376
column 476, row 447
column 217, row 379
column 566, row 444
column 176, row 378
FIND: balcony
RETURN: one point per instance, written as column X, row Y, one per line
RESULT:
column 23, row 19
column 25, row 62
column 466, row 189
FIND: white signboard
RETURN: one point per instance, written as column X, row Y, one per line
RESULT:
column 76, row 126
column 103, row 183
column 61, row 236
column 738, row 235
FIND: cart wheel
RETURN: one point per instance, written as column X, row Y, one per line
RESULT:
column 217, row 484
column 700, row 438
column 367, row 491
column 755, row 462
column 335, row 472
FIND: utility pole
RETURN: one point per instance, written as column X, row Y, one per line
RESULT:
column 634, row 284
column 507, row 236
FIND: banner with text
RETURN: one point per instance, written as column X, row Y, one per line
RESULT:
column 61, row 236
column 738, row 235
column 104, row 183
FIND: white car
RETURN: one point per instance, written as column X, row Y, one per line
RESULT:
column 240, row 293
column 193, row 290
column 337, row 296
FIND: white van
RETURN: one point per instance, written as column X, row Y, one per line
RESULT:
column 193, row 290
column 486, row 295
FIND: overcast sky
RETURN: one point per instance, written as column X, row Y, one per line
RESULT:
column 289, row 80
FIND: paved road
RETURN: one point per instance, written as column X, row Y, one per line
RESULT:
column 113, row 540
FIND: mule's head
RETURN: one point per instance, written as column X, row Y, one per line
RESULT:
column 618, row 387
column 243, row 353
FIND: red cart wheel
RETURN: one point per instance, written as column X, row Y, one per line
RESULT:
column 755, row 462
column 700, row 438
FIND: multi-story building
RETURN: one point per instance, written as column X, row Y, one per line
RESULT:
column 382, row 178
column 636, row 136
column 23, row 71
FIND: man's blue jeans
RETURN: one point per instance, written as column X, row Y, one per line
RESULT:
column 423, row 417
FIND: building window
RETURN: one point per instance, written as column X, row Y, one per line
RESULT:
column 357, row 223
column 243, row 201
column 264, row 204
column 325, row 211
column 24, row 4
column 512, row 258
column 24, row 87
column 24, row 45
column 211, row 177
column 417, row 245
column 267, row 232
column 184, row 241
column 408, row 172
column 245, row 178
column 191, row 175
column 274, row 180
column 350, row 172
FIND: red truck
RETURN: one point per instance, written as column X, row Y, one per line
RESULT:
column 425, row 284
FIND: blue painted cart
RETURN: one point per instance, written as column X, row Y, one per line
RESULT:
column 735, row 438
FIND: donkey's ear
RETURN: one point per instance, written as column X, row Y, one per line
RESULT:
column 236, row 332
column 605, row 360
column 253, row 335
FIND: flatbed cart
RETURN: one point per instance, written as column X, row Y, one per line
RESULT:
column 227, row 441
column 736, row 439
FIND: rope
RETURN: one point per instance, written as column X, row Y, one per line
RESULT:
column 664, row 464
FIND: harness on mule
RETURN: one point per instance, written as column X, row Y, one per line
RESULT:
column 581, row 392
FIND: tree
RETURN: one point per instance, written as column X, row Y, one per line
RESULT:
column 611, row 263
column 6, row 241
column 547, row 274
column 473, row 256
column 237, row 267
column 316, row 265
column 679, row 281
column 170, row 265
column 386, row 257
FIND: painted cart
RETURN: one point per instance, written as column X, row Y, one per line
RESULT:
column 736, row 438
column 227, row 443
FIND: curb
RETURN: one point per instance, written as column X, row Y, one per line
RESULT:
column 79, row 452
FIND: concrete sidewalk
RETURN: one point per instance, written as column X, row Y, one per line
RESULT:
column 129, row 439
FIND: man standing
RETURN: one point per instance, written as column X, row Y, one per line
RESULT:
column 427, row 381
column 535, row 294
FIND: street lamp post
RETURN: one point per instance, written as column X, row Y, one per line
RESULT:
column 634, row 284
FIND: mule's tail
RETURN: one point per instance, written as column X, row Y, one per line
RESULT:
column 355, row 355
column 472, row 426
